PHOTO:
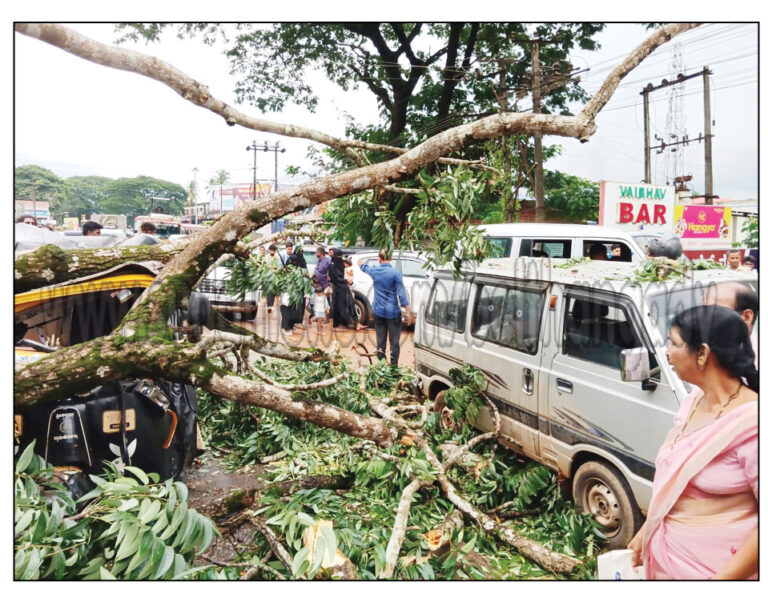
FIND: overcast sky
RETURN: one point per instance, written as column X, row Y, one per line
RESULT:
column 79, row 118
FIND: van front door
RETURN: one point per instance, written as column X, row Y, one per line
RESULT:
column 504, row 346
column 588, row 401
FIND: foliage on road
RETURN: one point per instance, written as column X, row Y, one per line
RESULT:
column 131, row 527
column 517, row 491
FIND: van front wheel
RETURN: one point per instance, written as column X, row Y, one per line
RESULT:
column 600, row 490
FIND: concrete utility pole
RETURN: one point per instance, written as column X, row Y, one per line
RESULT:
column 539, row 171
column 708, row 196
column 253, row 147
column 647, row 130
column 276, row 149
column 195, row 171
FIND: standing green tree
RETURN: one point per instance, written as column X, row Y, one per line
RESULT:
column 35, row 182
column 132, row 196
column 85, row 195
column 572, row 198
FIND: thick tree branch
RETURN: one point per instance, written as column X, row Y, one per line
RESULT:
column 322, row 414
column 49, row 264
column 657, row 38
column 398, row 529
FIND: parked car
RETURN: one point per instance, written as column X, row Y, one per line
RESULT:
column 562, row 240
column 214, row 287
column 79, row 433
column 554, row 345
column 416, row 280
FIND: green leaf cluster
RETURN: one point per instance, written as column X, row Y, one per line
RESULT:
column 254, row 274
column 130, row 526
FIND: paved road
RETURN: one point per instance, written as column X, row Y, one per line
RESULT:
column 268, row 326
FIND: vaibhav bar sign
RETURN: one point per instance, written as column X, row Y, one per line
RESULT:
column 637, row 206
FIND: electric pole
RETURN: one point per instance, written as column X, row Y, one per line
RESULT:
column 195, row 169
column 253, row 147
column 538, row 177
column 708, row 197
column 275, row 149
column 706, row 138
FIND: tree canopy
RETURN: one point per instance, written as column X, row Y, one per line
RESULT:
column 79, row 195
column 426, row 77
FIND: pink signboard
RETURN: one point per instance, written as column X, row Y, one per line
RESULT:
column 702, row 227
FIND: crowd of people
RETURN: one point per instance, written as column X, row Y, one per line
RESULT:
column 333, row 300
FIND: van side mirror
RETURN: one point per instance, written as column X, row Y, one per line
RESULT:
column 635, row 365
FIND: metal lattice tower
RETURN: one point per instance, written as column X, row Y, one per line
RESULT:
column 675, row 127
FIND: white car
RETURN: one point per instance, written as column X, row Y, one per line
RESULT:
column 214, row 287
column 416, row 280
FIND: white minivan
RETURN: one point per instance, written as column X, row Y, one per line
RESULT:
column 563, row 240
column 550, row 337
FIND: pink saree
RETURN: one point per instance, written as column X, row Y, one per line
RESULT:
column 704, row 503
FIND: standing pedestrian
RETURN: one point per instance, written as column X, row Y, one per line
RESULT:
column 274, row 261
column 27, row 219
column 389, row 296
column 342, row 306
column 92, row 229
column 702, row 521
column 733, row 261
column 292, row 314
column 320, row 275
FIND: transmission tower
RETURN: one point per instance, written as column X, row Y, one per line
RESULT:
column 675, row 126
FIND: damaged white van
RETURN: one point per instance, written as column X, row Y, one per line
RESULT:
column 574, row 360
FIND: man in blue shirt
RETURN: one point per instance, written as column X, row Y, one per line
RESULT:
column 388, row 290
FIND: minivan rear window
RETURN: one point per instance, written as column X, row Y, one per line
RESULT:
column 448, row 304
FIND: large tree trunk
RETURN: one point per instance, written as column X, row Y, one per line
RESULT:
column 49, row 264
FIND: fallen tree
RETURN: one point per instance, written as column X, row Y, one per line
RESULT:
column 144, row 344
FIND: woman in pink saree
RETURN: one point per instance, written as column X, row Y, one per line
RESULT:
column 702, row 520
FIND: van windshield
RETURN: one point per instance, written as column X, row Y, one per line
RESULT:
column 666, row 304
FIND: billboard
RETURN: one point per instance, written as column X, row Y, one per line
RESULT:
column 225, row 198
column 703, row 227
column 636, row 206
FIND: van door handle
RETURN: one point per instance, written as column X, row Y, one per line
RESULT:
column 527, row 381
column 564, row 385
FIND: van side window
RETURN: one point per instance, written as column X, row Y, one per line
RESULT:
column 508, row 316
column 500, row 246
column 615, row 250
column 598, row 330
column 551, row 248
column 448, row 304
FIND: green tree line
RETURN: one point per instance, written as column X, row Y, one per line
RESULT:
column 78, row 195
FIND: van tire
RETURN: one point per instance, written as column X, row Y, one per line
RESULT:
column 444, row 412
column 600, row 490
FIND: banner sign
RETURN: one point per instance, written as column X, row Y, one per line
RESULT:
column 703, row 227
column 636, row 206
column 225, row 198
